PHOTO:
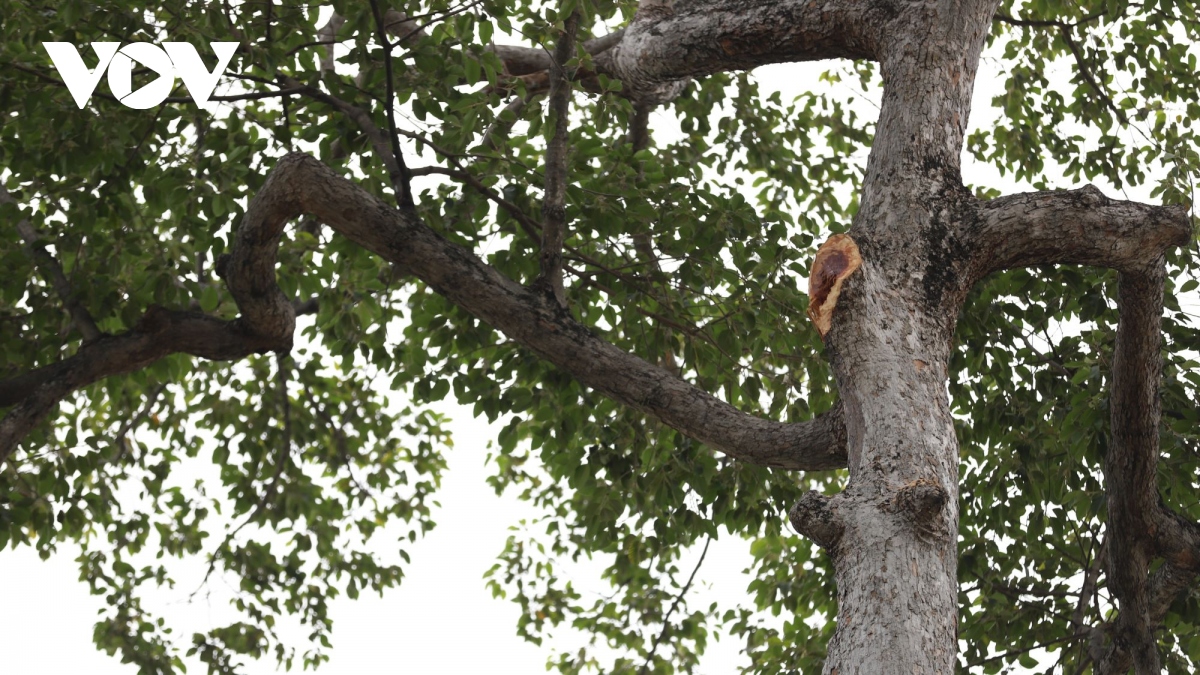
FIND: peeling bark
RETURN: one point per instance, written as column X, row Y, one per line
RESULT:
column 837, row 259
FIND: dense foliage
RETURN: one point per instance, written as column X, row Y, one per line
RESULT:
column 691, row 253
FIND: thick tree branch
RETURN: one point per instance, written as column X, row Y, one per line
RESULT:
column 1177, row 541
column 160, row 333
column 554, row 204
column 1072, row 226
column 300, row 184
column 1085, row 227
column 266, row 325
column 662, row 49
column 665, row 45
column 528, row 318
column 1130, row 465
column 53, row 273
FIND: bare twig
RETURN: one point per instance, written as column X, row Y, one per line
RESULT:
column 52, row 271
column 401, row 179
column 285, row 415
column 1025, row 650
column 1085, row 70
column 133, row 422
column 667, row 618
column 500, row 126
column 249, row 96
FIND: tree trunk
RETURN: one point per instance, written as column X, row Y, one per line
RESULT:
column 896, row 555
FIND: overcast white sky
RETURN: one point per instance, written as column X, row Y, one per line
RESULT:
column 442, row 619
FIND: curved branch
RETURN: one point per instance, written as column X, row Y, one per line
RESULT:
column 1085, row 227
column 299, row 184
column 1072, row 226
column 661, row 49
column 554, row 205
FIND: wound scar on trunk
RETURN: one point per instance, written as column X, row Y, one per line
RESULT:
column 837, row 259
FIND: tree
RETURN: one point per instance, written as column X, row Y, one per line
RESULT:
column 633, row 315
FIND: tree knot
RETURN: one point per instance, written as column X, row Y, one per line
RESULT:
column 814, row 517
column 1091, row 195
column 920, row 502
column 222, row 265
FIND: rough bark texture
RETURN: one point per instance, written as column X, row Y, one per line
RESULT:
column 1129, row 466
column 924, row 241
column 896, row 560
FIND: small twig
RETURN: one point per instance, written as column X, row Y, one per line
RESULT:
column 1025, row 650
column 251, row 96
column 499, row 126
column 1046, row 23
column 136, row 421
column 339, row 439
column 667, row 618
column 1090, row 578
column 52, row 271
column 373, row 133
column 285, row 413
column 401, row 178
column 1085, row 70
column 419, row 30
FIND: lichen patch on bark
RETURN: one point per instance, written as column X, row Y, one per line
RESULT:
column 837, row 259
